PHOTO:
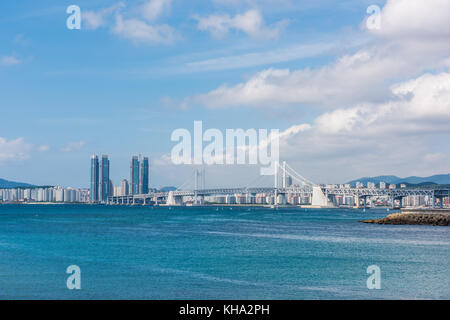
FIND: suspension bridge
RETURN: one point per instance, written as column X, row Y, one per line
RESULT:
column 304, row 190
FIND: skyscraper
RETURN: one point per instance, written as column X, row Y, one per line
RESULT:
column 134, row 175
column 94, row 179
column 125, row 187
column 111, row 188
column 104, row 179
column 143, row 176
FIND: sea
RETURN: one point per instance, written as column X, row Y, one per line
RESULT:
column 217, row 253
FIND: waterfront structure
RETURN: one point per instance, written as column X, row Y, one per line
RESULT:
column 56, row 194
column 125, row 187
column 143, row 175
column 134, row 175
column 139, row 175
column 104, row 190
column 94, row 179
column 59, row 195
column 317, row 195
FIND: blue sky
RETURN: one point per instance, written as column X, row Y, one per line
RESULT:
column 137, row 70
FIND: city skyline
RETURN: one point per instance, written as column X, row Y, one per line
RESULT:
column 95, row 175
column 350, row 101
column 101, row 188
column 290, row 188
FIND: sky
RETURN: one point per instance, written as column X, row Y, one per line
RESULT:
column 349, row 100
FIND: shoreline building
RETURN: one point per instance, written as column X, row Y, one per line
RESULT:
column 143, row 175
column 94, row 179
column 134, row 175
column 51, row 194
column 105, row 183
column 100, row 182
column 125, row 187
column 139, row 175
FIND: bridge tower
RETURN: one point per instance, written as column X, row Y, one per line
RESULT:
column 275, row 200
column 320, row 199
column 199, row 174
column 173, row 200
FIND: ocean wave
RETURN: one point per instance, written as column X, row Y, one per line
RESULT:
column 335, row 239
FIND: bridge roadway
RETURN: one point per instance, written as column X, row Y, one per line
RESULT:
column 156, row 196
column 327, row 191
column 402, row 192
column 393, row 194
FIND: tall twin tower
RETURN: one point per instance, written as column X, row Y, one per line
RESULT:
column 102, row 186
column 139, row 172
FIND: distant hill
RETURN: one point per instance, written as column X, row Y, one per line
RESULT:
column 12, row 184
column 167, row 189
column 436, row 179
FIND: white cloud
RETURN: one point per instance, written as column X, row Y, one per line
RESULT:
column 397, row 136
column 43, row 148
column 95, row 19
column 420, row 105
column 131, row 23
column 251, row 22
column 364, row 76
column 255, row 3
column 9, row 61
column 139, row 31
column 260, row 58
column 151, row 10
column 73, row 146
column 435, row 157
column 415, row 19
column 401, row 136
column 14, row 150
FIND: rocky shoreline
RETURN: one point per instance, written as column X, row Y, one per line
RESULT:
column 415, row 217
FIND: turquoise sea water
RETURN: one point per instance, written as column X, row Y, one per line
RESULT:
column 216, row 253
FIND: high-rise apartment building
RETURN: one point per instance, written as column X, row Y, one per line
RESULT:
column 134, row 175
column 125, row 187
column 143, row 175
column 139, row 175
column 94, row 179
column 104, row 179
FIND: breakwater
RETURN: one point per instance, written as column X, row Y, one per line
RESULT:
column 435, row 217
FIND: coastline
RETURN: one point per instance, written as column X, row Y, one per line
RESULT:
column 434, row 217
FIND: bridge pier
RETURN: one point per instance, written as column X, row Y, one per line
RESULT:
column 400, row 205
column 433, row 200
column 173, row 200
column 441, row 202
column 283, row 199
column 319, row 198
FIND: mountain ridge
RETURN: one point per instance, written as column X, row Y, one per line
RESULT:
column 6, row 184
column 390, row 179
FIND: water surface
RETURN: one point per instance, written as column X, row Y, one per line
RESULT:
column 216, row 253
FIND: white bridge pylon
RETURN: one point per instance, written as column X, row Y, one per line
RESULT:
column 287, row 171
column 303, row 186
column 319, row 195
